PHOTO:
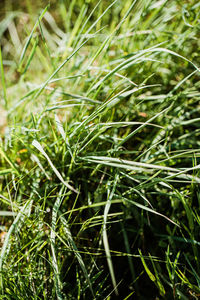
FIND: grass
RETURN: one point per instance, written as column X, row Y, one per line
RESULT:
column 99, row 150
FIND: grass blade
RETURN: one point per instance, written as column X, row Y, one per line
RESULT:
column 37, row 145
column 105, row 236
column 55, row 210
column 30, row 37
column 3, row 80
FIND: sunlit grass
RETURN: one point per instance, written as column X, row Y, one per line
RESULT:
column 99, row 150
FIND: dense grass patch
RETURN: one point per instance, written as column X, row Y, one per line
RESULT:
column 99, row 149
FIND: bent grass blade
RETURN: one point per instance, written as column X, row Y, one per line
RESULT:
column 37, row 145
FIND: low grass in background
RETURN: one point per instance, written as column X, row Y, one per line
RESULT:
column 99, row 149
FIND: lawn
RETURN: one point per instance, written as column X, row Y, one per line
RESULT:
column 99, row 149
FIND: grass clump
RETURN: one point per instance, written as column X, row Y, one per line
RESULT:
column 99, row 150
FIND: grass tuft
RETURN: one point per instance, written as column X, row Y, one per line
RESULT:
column 99, row 149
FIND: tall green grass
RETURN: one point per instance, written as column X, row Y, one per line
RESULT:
column 99, row 150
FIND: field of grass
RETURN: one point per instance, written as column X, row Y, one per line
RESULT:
column 99, row 149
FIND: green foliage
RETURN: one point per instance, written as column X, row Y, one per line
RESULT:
column 99, row 150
